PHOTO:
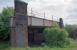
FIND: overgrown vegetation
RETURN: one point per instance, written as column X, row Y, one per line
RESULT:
column 56, row 37
column 70, row 29
column 72, row 46
column 5, row 22
column 4, row 45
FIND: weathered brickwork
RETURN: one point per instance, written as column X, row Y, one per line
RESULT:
column 19, row 33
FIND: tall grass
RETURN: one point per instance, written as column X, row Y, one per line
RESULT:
column 72, row 46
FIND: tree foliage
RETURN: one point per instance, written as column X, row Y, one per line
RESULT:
column 70, row 29
column 56, row 37
column 5, row 22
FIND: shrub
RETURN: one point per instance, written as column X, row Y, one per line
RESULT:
column 56, row 37
column 5, row 23
column 70, row 29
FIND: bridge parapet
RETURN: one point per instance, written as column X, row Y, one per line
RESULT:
column 35, row 21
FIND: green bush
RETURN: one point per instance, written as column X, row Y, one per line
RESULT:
column 5, row 23
column 70, row 29
column 56, row 37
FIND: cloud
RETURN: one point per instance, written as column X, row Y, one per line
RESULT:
column 51, row 7
column 67, row 9
column 72, row 13
column 6, row 3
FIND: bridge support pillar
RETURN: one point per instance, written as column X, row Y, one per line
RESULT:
column 19, row 23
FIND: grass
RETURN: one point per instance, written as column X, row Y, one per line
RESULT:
column 4, row 45
column 73, row 46
column 42, row 48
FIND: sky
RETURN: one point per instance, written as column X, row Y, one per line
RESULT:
column 66, row 9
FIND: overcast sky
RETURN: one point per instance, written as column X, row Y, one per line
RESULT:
column 67, row 9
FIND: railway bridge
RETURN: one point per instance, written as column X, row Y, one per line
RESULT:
column 27, row 30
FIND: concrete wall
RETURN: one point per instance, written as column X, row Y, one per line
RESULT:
column 20, row 7
column 37, row 22
column 34, row 21
column 19, row 33
column 48, row 22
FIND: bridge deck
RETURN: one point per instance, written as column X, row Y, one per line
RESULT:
column 35, row 21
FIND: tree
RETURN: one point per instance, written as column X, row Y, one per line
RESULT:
column 5, row 22
column 56, row 37
column 70, row 29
